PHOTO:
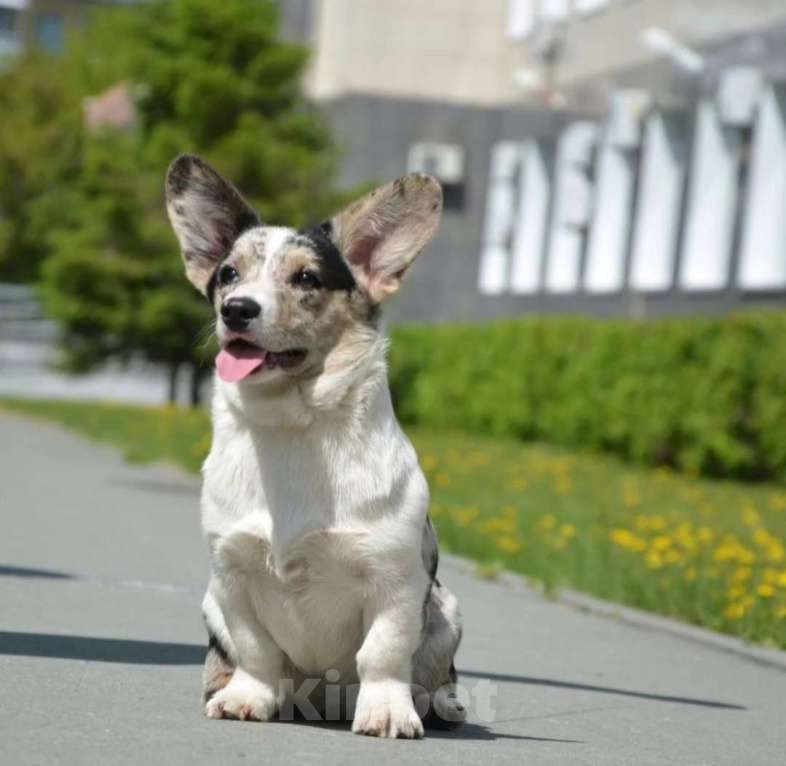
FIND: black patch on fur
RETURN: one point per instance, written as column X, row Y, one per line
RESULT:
column 212, row 283
column 433, row 561
column 430, row 554
column 217, row 646
column 334, row 271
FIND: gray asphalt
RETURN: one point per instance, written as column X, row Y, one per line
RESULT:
column 101, row 572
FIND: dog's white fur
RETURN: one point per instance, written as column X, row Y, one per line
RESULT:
column 314, row 508
column 317, row 564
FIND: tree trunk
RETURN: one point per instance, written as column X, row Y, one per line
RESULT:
column 174, row 369
column 198, row 375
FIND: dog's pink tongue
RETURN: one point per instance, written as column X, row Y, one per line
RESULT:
column 238, row 360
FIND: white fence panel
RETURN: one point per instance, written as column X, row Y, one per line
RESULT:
column 493, row 277
column 657, row 218
column 763, row 253
column 712, row 202
column 529, row 239
column 571, row 208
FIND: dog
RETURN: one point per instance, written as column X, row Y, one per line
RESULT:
column 314, row 507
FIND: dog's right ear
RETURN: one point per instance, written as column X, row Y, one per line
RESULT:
column 207, row 213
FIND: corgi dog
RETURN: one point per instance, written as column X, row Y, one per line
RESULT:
column 314, row 507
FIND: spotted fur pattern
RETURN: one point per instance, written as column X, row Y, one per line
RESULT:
column 314, row 505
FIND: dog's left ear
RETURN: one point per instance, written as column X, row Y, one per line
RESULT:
column 207, row 213
column 382, row 233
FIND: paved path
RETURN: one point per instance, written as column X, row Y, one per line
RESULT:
column 101, row 573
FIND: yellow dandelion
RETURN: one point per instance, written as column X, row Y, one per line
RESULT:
column 465, row 516
column 673, row 556
column 631, row 497
column 657, row 523
column 642, row 523
column 547, row 523
column 442, row 480
column 661, row 543
column 765, row 590
column 624, row 538
column 778, row 502
column 499, row 524
column 508, row 544
column 568, row 531
column 750, row 516
column 734, row 611
column 735, row 593
column 743, row 574
column 429, row 463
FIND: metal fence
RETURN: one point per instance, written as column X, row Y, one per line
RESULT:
column 667, row 207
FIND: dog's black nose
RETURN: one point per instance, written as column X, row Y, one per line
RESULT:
column 238, row 312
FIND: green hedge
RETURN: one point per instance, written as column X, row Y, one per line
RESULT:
column 701, row 394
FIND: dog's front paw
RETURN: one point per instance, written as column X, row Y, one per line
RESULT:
column 385, row 709
column 244, row 698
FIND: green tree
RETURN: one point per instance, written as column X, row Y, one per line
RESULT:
column 209, row 78
column 39, row 140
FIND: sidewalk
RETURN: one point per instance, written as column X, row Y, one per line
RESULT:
column 101, row 573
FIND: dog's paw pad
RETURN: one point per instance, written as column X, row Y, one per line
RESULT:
column 386, row 711
column 243, row 700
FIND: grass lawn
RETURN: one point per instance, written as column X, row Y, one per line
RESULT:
column 708, row 552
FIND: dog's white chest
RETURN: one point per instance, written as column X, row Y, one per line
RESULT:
column 310, row 601
column 306, row 522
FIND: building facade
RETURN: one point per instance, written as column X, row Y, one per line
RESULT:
column 39, row 23
column 615, row 157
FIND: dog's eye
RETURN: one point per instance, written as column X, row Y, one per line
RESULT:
column 306, row 279
column 227, row 275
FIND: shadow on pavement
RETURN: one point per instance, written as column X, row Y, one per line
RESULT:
column 100, row 649
column 599, row 689
column 468, row 731
column 167, row 653
column 476, row 731
column 9, row 571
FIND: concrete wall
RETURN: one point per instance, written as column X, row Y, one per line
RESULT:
column 466, row 51
column 442, row 50
column 376, row 134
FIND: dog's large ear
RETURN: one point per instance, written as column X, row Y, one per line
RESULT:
column 382, row 233
column 207, row 213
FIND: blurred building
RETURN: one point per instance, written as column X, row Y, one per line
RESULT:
column 40, row 23
column 620, row 157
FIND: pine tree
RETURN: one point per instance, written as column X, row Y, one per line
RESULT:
column 207, row 77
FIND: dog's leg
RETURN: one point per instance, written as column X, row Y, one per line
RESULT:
column 218, row 670
column 219, row 661
column 393, row 619
column 433, row 671
column 253, row 691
